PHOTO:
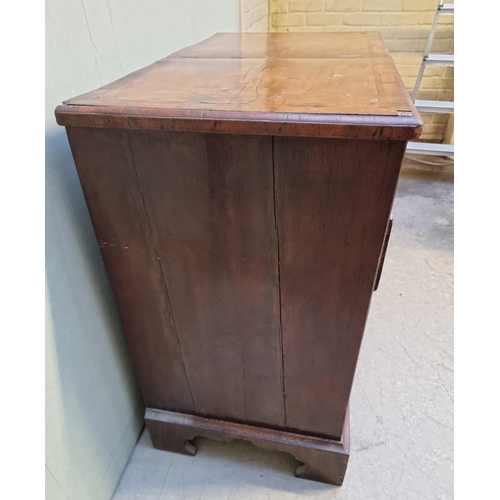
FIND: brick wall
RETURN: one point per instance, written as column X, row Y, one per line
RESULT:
column 405, row 27
column 254, row 16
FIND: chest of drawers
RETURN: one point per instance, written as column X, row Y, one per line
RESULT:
column 240, row 191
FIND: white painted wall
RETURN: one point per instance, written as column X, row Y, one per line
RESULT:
column 93, row 407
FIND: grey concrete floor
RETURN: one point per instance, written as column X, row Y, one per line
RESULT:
column 402, row 399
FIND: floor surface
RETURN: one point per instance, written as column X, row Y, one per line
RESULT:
column 402, row 399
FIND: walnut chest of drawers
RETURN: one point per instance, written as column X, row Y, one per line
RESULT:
column 241, row 191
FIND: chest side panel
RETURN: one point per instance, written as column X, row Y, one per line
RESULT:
column 210, row 202
column 110, row 184
column 333, row 200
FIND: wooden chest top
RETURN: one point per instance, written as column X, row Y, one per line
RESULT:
column 301, row 84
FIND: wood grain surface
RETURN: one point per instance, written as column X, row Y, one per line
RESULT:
column 242, row 266
column 333, row 202
column 280, row 45
column 110, row 184
column 211, row 205
column 311, row 79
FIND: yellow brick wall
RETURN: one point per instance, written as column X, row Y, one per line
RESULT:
column 254, row 16
column 405, row 27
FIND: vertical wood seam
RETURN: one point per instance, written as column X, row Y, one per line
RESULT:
column 244, row 381
column 280, row 331
column 162, row 274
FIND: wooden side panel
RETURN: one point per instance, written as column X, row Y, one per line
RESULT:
column 117, row 210
column 210, row 201
column 333, row 203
